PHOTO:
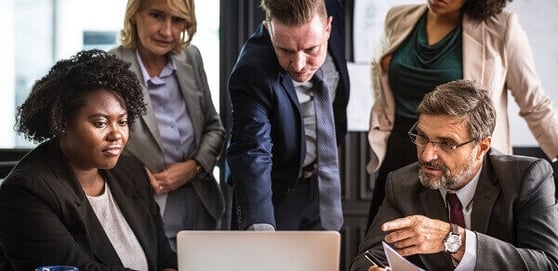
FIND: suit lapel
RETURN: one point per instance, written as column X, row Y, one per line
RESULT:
column 128, row 203
column 433, row 204
column 287, row 85
column 149, row 118
column 474, row 55
column 185, row 75
column 100, row 244
column 403, row 28
column 485, row 197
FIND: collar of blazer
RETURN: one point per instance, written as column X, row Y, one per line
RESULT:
column 123, row 193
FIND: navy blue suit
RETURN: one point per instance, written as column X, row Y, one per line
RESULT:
column 267, row 146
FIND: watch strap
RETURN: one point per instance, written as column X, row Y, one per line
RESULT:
column 454, row 229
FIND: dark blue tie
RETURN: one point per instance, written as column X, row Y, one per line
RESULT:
column 328, row 167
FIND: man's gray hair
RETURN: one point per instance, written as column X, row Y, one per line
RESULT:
column 462, row 99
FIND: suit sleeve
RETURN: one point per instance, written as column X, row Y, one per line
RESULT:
column 373, row 240
column 536, row 218
column 249, row 154
column 525, row 86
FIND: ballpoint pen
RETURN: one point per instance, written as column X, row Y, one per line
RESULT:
column 373, row 259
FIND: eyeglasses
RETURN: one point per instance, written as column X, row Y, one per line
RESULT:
column 444, row 146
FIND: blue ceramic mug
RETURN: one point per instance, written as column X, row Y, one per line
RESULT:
column 57, row 268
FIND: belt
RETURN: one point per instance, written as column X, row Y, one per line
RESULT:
column 309, row 170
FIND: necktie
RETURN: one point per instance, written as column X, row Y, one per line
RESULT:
column 328, row 169
column 456, row 213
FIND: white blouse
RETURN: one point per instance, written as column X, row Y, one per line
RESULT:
column 118, row 231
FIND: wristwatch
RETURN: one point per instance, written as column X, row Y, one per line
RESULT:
column 201, row 171
column 199, row 168
column 452, row 243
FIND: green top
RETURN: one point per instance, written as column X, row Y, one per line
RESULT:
column 416, row 67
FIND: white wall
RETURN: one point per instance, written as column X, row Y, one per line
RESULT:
column 7, row 70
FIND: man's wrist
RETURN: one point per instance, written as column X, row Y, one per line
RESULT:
column 458, row 255
column 453, row 241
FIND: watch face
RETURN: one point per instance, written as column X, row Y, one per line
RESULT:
column 452, row 243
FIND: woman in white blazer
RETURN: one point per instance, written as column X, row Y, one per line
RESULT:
column 426, row 45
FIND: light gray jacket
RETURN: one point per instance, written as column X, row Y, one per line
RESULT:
column 145, row 142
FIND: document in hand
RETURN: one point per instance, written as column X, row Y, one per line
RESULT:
column 398, row 262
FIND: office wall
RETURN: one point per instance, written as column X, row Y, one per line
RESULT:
column 538, row 19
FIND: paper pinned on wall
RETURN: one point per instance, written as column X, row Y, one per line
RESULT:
column 361, row 98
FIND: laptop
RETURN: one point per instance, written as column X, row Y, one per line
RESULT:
column 258, row 250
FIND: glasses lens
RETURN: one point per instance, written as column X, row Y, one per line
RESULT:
column 420, row 140
column 445, row 147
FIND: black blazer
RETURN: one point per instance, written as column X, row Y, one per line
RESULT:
column 47, row 219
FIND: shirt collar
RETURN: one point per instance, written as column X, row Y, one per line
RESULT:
column 466, row 193
column 167, row 70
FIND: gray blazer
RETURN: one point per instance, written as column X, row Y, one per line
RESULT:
column 145, row 142
column 515, row 215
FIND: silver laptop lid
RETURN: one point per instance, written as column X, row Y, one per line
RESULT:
column 253, row 250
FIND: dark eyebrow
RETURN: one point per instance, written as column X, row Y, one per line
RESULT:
column 438, row 139
column 123, row 115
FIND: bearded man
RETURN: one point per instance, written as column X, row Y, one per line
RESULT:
column 464, row 205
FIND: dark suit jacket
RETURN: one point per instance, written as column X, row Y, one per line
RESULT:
column 267, row 146
column 514, row 216
column 47, row 219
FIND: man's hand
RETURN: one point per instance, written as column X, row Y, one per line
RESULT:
column 416, row 235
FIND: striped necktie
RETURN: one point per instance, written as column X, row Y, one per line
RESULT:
column 328, row 167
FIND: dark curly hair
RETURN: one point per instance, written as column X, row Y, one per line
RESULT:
column 63, row 90
column 480, row 10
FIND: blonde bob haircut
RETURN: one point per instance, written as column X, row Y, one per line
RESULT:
column 182, row 8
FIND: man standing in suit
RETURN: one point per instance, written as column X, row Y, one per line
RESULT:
column 501, row 213
column 275, row 161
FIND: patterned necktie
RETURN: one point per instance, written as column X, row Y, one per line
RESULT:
column 328, row 169
column 456, row 213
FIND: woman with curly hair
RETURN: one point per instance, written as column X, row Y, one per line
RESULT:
column 429, row 44
column 73, row 200
column 180, row 138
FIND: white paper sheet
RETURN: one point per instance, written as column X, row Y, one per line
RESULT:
column 361, row 98
column 398, row 262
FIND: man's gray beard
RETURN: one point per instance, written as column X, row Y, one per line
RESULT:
column 446, row 181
